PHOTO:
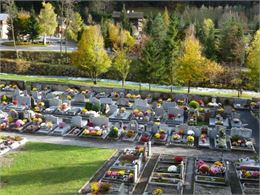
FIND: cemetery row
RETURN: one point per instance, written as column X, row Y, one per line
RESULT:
column 138, row 171
column 127, row 117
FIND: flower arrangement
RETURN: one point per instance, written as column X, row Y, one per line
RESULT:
column 157, row 191
column 190, row 139
column 84, row 111
column 145, row 137
column 130, row 133
column 142, row 115
column 250, row 174
column 237, row 140
column 20, row 123
column 113, row 132
column 61, row 125
column 178, row 159
column 217, row 168
column 63, row 107
column 122, row 110
column 161, row 135
column 99, row 187
column 95, row 131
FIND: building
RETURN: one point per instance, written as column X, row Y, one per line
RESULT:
column 3, row 26
column 135, row 18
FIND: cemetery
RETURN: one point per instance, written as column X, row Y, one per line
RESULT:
column 145, row 122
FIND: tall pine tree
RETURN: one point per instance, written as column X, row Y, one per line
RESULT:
column 171, row 48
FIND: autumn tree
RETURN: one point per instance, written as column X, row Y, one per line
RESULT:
column 192, row 66
column 253, row 61
column 47, row 20
column 121, row 63
column 91, row 55
column 120, row 37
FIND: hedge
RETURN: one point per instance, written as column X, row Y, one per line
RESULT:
column 38, row 56
column 36, row 68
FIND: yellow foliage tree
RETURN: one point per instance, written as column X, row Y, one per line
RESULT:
column 91, row 55
column 253, row 61
column 120, row 37
column 192, row 66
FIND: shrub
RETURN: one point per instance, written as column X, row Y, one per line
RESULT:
column 194, row 104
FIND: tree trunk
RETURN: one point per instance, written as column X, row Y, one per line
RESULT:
column 189, row 87
column 149, row 87
column 171, row 89
column 15, row 48
column 44, row 39
column 123, row 83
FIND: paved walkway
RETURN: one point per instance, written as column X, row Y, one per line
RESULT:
column 189, row 152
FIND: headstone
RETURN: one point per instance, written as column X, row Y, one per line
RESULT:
column 94, row 100
column 55, row 102
column 123, row 102
column 244, row 132
column 79, row 98
column 24, row 100
column 106, row 101
column 50, row 96
column 175, row 111
column 76, row 121
column 99, row 121
column 166, row 105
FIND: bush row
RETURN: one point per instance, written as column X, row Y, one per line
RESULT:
column 38, row 56
column 36, row 68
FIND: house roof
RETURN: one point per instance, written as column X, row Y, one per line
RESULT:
column 3, row 16
column 131, row 15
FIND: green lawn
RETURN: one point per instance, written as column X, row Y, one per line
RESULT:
column 41, row 168
column 107, row 84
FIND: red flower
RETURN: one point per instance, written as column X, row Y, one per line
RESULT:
column 178, row 159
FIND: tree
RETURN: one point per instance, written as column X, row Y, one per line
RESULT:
column 171, row 50
column 12, row 13
column 91, row 55
column 75, row 27
column 120, row 37
column 151, row 63
column 209, row 40
column 189, row 67
column 232, row 46
column 253, row 61
column 125, row 20
column 158, row 30
column 166, row 18
column 121, row 63
column 47, row 20
column 33, row 28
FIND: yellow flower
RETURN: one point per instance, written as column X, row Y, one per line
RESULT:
column 157, row 135
column 190, row 138
column 94, row 187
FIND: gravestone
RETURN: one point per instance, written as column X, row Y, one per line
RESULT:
column 24, row 100
column 123, row 102
column 244, row 132
column 99, row 121
column 106, row 101
column 79, row 98
column 175, row 111
column 166, row 105
column 76, row 121
column 55, row 102
column 159, row 112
